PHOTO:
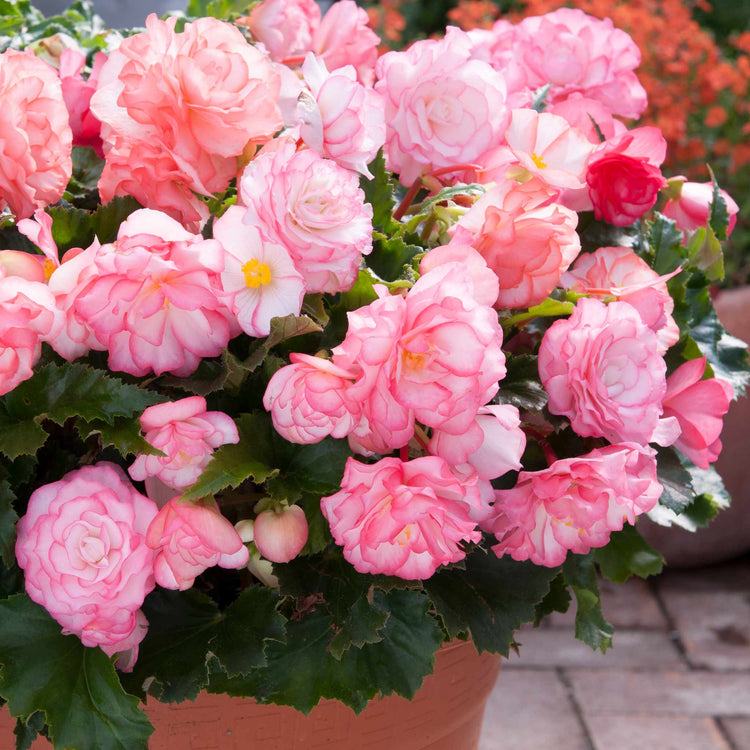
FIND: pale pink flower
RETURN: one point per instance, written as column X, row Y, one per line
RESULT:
column 575, row 504
column 340, row 118
column 28, row 317
column 603, row 370
column 83, row 550
column 546, row 146
column 449, row 356
column 259, row 275
column 699, row 406
column 493, row 445
column 187, row 434
column 624, row 175
column 344, row 37
column 22, row 264
column 153, row 303
column 618, row 273
column 691, row 209
column 188, row 539
column 484, row 280
column 586, row 115
column 284, row 27
column 186, row 105
column 312, row 207
column 309, row 400
column 400, row 518
column 77, row 93
column 442, row 108
column 526, row 239
column 577, row 53
column 280, row 534
column 36, row 141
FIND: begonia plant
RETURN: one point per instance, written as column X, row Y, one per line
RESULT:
column 312, row 359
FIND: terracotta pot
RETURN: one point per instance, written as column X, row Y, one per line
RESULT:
column 446, row 714
column 728, row 535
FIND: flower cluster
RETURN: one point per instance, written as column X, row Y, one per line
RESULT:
column 338, row 317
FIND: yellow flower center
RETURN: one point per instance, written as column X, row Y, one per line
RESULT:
column 256, row 273
column 49, row 267
column 538, row 161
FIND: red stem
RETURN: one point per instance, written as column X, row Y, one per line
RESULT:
column 408, row 200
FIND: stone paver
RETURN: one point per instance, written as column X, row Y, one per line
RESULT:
column 639, row 732
column 531, row 710
column 732, row 576
column 738, row 731
column 633, row 649
column 714, row 627
column 660, row 693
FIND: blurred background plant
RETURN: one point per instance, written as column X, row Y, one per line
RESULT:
column 695, row 68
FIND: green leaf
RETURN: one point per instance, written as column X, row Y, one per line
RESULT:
column 316, row 468
column 390, row 255
column 705, row 253
column 76, row 687
column 591, row 627
column 379, row 194
column 557, row 600
column 665, row 241
column 282, row 329
column 417, row 214
column 539, row 101
column 678, row 491
column 221, row 9
column 59, row 392
column 363, row 625
column 8, row 518
column 718, row 218
column 26, row 731
column 362, row 293
column 231, row 465
column 628, row 554
column 124, row 434
column 491, row 598
column 521, row 386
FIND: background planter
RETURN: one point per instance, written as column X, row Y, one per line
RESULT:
column 446, row 714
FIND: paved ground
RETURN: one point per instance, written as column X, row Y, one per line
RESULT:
column 677, row 678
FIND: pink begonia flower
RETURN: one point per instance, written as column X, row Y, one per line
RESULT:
column 280, row 535
column 604, row 371
column 28, row 317
column 546, row 146
column 692, row 209
column 259, row 275
column 189, row 539
column 587, row 115
column 449, row 353
column 493, row 448
column 312, row 207
column 309, row 400
column 699, row 406
column 624, row 175
column 618, row 273
column 66, row 280
column 400, row 518
column 77, row 94
column 575, row 504
column 22, row 264
column 340, row 118
column 153, row 303
column 485, row 282
column 442, row 108
column 187, row 434
column 178, row 109
column 36, row 141
column 344, row 37
column 83, row 550
column 284, row 27
column 526, row 239
column 575, row 52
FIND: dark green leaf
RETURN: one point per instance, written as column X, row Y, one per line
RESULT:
column 315, row 469
column 26, row 731
column 282, row 329
column 76, row 687
column 491, row 598
column 628, row 554
column 124, row 434
column 557, row 600
column 522, row 386
column 718, row 218
column 390, row 255
column 363, row 625
column 379, row 194
column 665, row 241
column 8, row 518
column 678, row 491
column 591, row 627
column 233, row 464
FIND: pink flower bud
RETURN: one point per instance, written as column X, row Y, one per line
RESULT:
column 281, row 535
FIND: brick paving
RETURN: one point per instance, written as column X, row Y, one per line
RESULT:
column 677, row 677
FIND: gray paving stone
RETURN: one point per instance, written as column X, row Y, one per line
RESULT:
column 531, row 710
column 738, row 731
column 714, row 626
column 732, row 576
column 638, row 732
column 662, row 693
column 632, row 649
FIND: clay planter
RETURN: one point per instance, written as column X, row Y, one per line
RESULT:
column 728, row 535
column 446, row 714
